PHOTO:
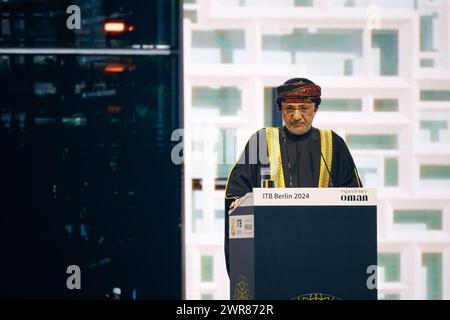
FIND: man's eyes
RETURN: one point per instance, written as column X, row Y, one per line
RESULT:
column 292, row 109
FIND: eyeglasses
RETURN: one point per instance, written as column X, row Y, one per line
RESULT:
column 289, row 111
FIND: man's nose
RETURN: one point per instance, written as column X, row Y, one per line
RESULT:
column 297, row 115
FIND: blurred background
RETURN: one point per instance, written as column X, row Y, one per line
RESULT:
column 384, row 69
column 87, row 115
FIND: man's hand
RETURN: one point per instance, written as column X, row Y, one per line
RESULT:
column 234, row 204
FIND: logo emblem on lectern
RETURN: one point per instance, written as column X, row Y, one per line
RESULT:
column 316, row 296
column 241, row 289
column 233, row 227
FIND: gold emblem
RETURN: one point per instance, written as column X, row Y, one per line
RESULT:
column 316, row 296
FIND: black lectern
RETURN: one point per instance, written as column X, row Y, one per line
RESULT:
column 304, row 243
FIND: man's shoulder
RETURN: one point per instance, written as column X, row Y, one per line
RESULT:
column 339, row 142
column 256, row 135
column 264, row 129
column 336, row 138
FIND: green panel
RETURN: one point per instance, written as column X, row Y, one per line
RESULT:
column 341, row 105
column 348, row 67
column 219, row 214
column 385, row 105
column 431, row 218
column 223, row 170
column 191, row 15
column 268, row 106
column 387, row 42
column 391, row 172
column 426, row 33
column 225, row 40
column 350, row 3
column 433, row 264
column 435, row 95
column 227, row 99
column 272, row 116
column 384, row 142
column 391, row 264
column 324, row 40
column 226, row 149
column 434, row 126
column 427, row 63
column 303, row 3
column 207, row 268
column 435, row 172
column 207, row 296
column 197, row 214
column 363, row 172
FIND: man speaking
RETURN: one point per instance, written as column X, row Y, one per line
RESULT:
column 294, row 155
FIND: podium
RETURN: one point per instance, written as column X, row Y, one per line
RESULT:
column 304, row 243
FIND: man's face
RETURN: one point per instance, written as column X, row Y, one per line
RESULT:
column 298, row 117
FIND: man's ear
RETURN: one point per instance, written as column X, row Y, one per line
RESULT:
column 316, row 107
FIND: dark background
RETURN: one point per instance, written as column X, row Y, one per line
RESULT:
column 86, row 176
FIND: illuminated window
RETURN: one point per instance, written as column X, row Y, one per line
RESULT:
column 435, row 95
column 429, row 219
column 426, row 33
column 225, row 101
column 335, row 52
column 385, row 142
column 303, row 3
column 391, row 172
column 207, row 268
column 218, row 46
column 226, row 150
column 385, row 105
column 190, row 15
column 427, row 63
column 386, row 41
column 435, row 172
column 341, row 105
column 390, row 296
column 219, row 218
column 390, row 263
column 272, row 116
column 197, row 210
column 434, row 128
column 207, row 296
column 369, row 170
column 42, row 89
column 432, row 262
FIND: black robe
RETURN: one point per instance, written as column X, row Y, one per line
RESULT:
column 303, row 154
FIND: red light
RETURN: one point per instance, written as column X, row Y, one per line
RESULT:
column 114, row 68
column 114, row 109
column 114, row 27
column 130, row 28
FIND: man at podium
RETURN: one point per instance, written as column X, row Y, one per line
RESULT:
column 294, row 155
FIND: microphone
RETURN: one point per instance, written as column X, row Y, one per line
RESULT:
column 326, row 166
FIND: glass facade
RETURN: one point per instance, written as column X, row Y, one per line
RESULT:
column 86, row 139
column 133, row 24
